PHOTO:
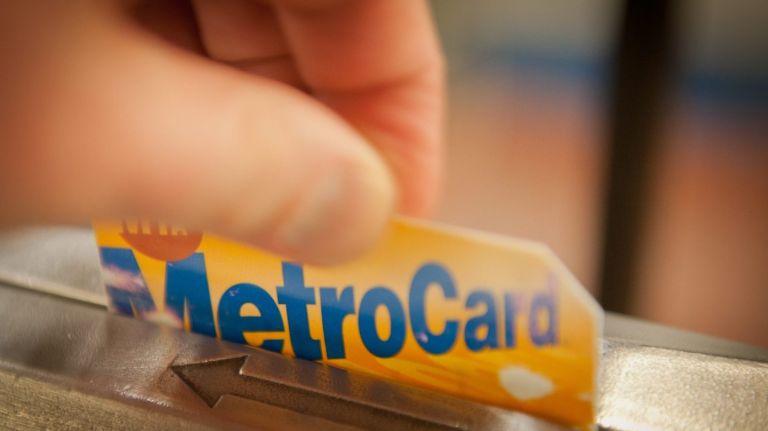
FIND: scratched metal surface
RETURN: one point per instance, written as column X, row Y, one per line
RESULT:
column 58, row 260
column 68, row 364
column 196, row 379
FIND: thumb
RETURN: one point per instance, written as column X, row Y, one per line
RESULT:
column 134, row 128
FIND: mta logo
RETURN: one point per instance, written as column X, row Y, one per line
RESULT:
column 161, row 241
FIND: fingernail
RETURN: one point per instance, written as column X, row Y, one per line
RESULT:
column 317, row 206
column 341, row 213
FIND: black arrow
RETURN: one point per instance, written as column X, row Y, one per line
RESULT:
column 211, row 380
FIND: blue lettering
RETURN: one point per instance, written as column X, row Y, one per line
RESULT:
column 333, row 310
column 543, row 303
column 431, row 274
column 295, row 296
column 510, row 315
column 373, row 299
column 487, row 319
column 233, row 324
column 186, row 293
column 126, row 287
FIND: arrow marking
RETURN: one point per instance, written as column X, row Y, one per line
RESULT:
column 211, row 380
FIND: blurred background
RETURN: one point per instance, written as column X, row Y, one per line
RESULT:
column 631, row 137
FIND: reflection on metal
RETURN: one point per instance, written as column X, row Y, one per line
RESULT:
column 59, row 261
column 68, row 364
column 214, row 379
column 96, row 354
column 647, row 388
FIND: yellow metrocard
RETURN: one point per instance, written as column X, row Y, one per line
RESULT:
column 492, row 319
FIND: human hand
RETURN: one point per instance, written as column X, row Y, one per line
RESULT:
column 294, row 125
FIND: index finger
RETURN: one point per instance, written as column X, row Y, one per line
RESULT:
column 377, row 63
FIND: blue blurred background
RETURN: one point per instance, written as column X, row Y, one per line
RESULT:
column 632, row 137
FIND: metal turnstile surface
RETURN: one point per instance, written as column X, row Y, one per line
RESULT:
column 66, row 363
